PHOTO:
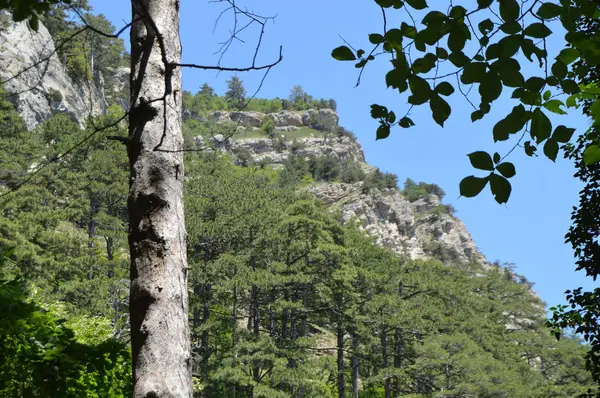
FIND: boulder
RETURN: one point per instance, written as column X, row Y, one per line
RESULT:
column 286, row 118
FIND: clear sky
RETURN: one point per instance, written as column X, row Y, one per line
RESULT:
column 528, row 231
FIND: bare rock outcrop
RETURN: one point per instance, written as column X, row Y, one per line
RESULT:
column 277, row 151
column 36, row 80
column 414, row 229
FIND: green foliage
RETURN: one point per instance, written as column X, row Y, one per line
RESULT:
column 413, row 191
column 42, row 356
column 236, row 93
column 328, row 168
column 482, row 47
column 205, row 101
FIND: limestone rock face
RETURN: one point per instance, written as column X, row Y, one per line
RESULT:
column 249, row 119
column 326, row 118
column 286, row 118
column 36, row 80
column 414, row 229
column 277, row 152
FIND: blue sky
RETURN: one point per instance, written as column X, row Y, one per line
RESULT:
column 528, row 231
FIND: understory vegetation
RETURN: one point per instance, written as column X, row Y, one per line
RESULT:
column 285, row 301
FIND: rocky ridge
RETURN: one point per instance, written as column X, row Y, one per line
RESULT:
column 36, row 80
column 414, row 229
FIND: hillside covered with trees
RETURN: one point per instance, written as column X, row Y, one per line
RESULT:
column 285, row 300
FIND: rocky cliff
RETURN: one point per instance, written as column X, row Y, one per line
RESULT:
column 39, row 86
column 36, row 80
column 417, row 229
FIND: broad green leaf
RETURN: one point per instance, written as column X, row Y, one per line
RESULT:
column 393, row 38
column 34, row 22
column 491, row 87
column 444, row 88
column 424, row 64
column 408, row 31
column 440, row 109
column 546, row 95
column 459, row 59
column 569, row 55
column 375, row 38
column 441, row 53
column 378, row 111
column 471, row 186
column 569, row 86
column 481, row 160
column 509, row 10
column 434, row 18
column 507, row 169
column 554, row 106
column 529, row 148
column 477, row 115
column 537, row 30
column 535, row 84
column 420, row 89
column 500, row 187
column 406, row 122
column 383, row 131
column 496, row 157
column 551, row 149
column 396, row 79
column 529, row 48
column 559, row 69
column 343, row 53
column 457, row 40
column 417, row 4
column 541, row 127
column 511, row 28
column 591, row 155
column 508, row 69
column 458, row 12
column 389, row 3
column 484, row 3
column 511, row 124
column 509, row 46
column 486, row 26
column 549, row 11
column 595, row 112
column 473, row 72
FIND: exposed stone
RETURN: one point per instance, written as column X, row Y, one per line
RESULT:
column 406, row 228
column 37, row 82
column 261, row 148
column 286, row 128
column 323, row 118
column 252, row 119
column 286, row 118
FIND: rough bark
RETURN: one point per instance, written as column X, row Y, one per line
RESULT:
column 355, row 365
column 341, row 367
column 158, row 298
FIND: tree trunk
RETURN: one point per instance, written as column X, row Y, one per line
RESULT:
column 157, row 239
column 355, row 366
column 384, row 352
column 341, row 368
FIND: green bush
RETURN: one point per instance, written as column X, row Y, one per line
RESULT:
column 55, row 95
column 42, row 357
column 413, row 191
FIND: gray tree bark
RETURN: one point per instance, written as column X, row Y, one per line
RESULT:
column 157, row 238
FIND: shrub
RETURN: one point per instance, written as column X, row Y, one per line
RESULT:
column 268, row 126
column 342, row 132
column 413, row 191
column 55, row 95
